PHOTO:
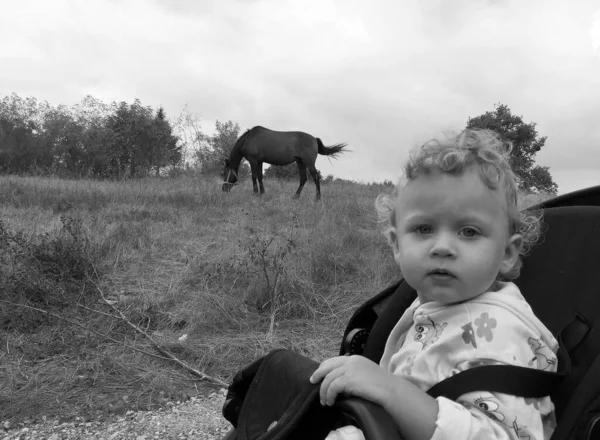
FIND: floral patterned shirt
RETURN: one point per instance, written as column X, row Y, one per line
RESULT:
column 432, row 341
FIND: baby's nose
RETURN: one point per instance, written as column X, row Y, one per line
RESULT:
column 443, row 246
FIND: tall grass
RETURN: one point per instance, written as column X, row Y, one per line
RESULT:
column 238, row 274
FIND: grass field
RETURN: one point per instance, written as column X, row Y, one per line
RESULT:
column 237, row 273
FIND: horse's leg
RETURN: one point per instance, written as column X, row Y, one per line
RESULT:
column 315, row 175
column 260, row 176
column 302, row 174
column 254, row 168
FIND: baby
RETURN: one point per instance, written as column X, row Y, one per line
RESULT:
column 458, row 235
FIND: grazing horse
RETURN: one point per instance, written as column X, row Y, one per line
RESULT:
column 260, row 144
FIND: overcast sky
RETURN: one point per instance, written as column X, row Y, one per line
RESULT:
column 382, row 75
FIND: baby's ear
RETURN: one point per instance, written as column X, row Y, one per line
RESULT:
column 511, row 253
column 393, row 240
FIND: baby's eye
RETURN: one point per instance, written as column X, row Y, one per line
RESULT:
column 468, row 232
column 424, row 229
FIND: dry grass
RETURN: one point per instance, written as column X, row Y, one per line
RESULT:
column 237, row 273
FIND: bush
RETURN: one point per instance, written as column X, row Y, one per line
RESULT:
column 43, row 272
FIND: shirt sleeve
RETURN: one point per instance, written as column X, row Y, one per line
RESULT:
column 488, row 415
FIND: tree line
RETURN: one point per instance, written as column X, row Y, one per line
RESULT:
column 94, row 139
column 88, row 139
column 118, row 140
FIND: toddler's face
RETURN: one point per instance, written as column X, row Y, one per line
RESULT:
column 452, row 236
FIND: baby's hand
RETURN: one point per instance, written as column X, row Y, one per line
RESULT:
column 352, row 375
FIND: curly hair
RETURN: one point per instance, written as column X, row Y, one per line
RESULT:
column 484, row 150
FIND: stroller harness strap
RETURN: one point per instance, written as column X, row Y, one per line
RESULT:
column 507, row 379
column 512, row 379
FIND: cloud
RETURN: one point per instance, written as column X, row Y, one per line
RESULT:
column 383, row 76
column 595, row 31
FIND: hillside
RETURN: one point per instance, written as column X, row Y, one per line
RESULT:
column 215, row 279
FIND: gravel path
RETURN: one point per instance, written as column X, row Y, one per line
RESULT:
column 198, row 418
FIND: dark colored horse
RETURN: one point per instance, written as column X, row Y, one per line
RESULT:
column 278, row 148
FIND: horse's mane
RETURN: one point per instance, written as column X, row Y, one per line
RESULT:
column 236, row 150
column 242, row 138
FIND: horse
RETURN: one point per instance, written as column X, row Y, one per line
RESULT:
column 259, row 145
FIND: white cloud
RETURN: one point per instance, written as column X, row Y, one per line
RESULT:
column 595, row 31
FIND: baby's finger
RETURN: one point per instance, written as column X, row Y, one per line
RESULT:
column 326, row 384
column 335, row 387
column 325, row 368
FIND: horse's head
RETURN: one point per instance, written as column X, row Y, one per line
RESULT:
column 230, row 176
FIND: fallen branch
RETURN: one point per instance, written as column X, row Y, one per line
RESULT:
column 157, row 346
column 85, row 328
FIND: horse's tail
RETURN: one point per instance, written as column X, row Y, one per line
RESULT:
column 332, row 150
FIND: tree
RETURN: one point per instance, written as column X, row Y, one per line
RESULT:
column 526, row 144
column 92, row 114
column 284, row 172
column 20, row 124
column 127, row 125
column 188, row 128
column 212, row 153
column 140, row 140
column 164, row 148
column 62, row 137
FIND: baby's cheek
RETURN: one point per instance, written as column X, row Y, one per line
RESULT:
column 410, row 270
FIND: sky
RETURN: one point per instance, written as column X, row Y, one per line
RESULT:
column 383, row 76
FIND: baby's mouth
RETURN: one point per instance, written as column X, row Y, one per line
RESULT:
column 441, row 273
